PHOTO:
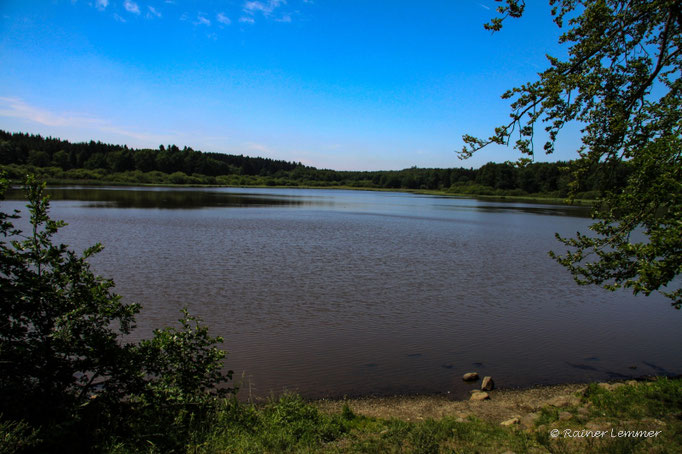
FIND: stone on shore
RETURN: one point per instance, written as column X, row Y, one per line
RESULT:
column 583, row 411
column 610, row 386
column 480, row 395
column 565, row 416
column 510, row 422
column 563, row 401
column 528, row 420
column 470, row 376
column 488, row 384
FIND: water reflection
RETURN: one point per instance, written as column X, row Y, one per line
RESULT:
column 358, row 202
column 163, row 199
column 520, row 207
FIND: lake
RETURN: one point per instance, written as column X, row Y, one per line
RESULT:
column 332, row 292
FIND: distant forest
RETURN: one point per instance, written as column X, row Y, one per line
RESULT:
column 60, row 161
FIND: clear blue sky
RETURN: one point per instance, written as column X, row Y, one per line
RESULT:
column 336, row 84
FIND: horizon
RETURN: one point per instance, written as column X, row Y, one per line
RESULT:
column 380, row 86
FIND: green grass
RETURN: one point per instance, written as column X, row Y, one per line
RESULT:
column 291, row 425
column 654, row 399
column 645, row 406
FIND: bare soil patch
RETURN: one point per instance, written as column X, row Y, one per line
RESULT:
column 503, row 404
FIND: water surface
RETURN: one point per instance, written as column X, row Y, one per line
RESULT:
column 334, row 293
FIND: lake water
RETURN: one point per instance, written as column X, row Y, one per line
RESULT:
column 332, row 293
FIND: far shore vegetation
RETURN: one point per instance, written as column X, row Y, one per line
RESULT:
column 93, row 163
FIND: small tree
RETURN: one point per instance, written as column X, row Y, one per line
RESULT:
column 60, row 324
column 64, row 367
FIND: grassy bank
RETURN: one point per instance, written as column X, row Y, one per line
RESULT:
column 631, row 417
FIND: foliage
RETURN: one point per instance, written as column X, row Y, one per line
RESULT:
column 289, row 424
column 60, row 323
column 621, row 81
column 16, row 436
column 37, row 151
column 67, row 376
column 152, row 167
column 184, row 364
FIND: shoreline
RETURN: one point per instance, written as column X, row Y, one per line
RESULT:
column 639, row 416
column 502, row 403
column 524, row 404
column 331, row 398
column 530, row 198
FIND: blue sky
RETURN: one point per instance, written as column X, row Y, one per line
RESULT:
column 361, row 85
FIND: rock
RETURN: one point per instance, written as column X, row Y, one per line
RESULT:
column 480, row 395
column 604, row 386
column 563, row 401
column 594, row 425
column 653, row 421
column 470, row 376
column 510, row 422
column 617, row 385
column 631, row 382
column 565, row 416
column 487, row 384
column 583, row 411
column 529, row 419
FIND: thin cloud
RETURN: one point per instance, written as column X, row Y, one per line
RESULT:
column 201, row 20
column 131, row 7
column 153, row 12
column 101, row 4
column 258, row 149
column 246, row 20
column 223, row 19
column 18, row 108
column 484, row 6
column 265, row 8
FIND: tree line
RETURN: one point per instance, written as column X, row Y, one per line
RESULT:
column 62, row 161
column 35, row 150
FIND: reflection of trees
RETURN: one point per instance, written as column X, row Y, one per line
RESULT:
column 168, row 199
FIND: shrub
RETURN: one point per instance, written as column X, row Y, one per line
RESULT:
column 67, row 373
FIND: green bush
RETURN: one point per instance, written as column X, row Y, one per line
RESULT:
column 67, row 374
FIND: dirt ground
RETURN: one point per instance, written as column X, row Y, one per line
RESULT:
column 502, row 405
